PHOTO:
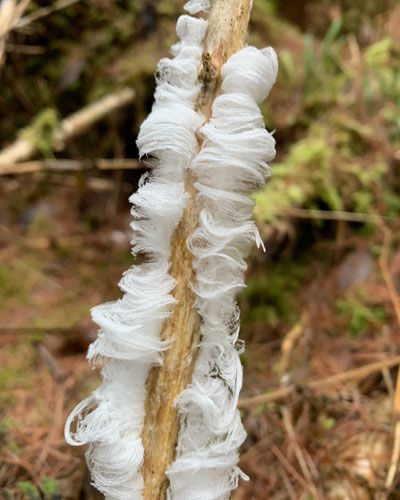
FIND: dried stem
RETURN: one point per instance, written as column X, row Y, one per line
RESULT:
column 227, row 30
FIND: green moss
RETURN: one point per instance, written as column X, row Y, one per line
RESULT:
column 41, row 131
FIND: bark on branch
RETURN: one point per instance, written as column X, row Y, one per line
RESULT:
column 226, row 34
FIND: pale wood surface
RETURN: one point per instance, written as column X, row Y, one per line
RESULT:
column 227, row 31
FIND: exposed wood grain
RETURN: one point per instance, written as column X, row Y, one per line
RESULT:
column 227, row 31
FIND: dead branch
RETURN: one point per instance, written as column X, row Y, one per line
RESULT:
column 24, row 147
column 43, row 12
column 11, row 18
column 66, row 165
column 226, row 33
column 339, row 378
column 339, row 215
column 10, row 14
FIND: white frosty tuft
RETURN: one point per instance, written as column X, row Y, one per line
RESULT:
column 128, row 344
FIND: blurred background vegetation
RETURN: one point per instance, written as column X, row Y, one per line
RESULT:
column 322, row 300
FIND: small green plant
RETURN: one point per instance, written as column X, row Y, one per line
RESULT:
column 29, row 490
column 50, row 489
column 359, row 315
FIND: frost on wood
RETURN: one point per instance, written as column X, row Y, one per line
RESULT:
column 232, row 163
column 228, row 156
column 128, row 344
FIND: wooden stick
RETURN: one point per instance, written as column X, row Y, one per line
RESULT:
column 227, row 29
column 339, row 378
column 23, row 149
column 66, row 165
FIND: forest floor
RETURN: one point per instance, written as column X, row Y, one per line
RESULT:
column 321, row 312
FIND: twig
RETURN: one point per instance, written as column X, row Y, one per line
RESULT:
column 288, row 344
column 66, row 165
column 43, row 12
column 343, row 377
column 226, row 33
column 54, row 366
column 23, row 148
column 289, row 467
column 11, row 18
column 287, row 423
column 387, row 275
column 10, row 13
column 339, row 215
column 25, row 49
column 395, row 457
column 394, row 297
column 288, row 485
